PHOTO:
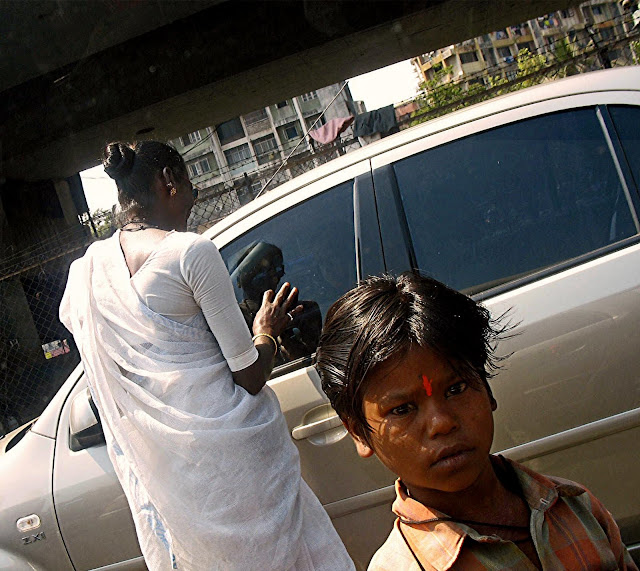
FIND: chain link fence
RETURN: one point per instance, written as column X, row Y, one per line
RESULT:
column 221, row 200
column 37, row 353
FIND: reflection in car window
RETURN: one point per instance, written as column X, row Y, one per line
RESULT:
column 312, row 247
column 627, row 122
column 514, row 199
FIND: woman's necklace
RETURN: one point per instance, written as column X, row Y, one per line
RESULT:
column 142, row 225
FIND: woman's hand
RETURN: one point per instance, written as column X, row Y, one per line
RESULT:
column 273, row 317
column 277, row 311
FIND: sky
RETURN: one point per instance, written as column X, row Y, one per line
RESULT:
column 99, row 189
column 378, row 88
column 386, row 85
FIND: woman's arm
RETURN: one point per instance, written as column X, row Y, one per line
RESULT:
column 207, row 276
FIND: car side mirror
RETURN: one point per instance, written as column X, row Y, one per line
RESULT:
column 85, row 429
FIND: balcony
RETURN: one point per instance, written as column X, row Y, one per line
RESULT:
column 311, row 107
column 473, row 67
column 501, row 39
column 284, row 116
column 258, row 127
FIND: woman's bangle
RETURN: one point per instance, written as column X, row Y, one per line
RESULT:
column 275, row 343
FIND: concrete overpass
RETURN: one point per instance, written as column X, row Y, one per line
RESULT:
column 74, row 75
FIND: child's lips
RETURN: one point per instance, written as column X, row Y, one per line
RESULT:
column 452, row 456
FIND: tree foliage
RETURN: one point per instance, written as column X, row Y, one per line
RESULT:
column 104, row 222
column 439, row 92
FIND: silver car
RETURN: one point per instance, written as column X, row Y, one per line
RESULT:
column 529, row 202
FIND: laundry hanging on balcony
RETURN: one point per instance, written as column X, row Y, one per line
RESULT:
column 330, row 131
column 381, row 121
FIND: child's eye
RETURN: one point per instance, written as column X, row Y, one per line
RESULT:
column 456, row 389
column 402, row 409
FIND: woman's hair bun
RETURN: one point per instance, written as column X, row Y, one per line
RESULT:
column 117, row 160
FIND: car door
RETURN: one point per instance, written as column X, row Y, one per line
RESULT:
column 92, row 511
column 321, row 239
column 534, row 211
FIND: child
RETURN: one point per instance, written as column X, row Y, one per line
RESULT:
column 405, row 363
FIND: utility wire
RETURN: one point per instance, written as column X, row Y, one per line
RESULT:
column 303, row 138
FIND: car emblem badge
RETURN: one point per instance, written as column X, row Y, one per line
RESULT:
column 33, row 538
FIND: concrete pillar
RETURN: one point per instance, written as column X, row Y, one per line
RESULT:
column 66, row 202
column 303, row 124
column 275, row 131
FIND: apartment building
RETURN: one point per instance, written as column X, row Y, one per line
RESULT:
column 495, row 54
column 235, row 159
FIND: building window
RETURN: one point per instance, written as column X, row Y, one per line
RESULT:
column 606, row 33
column 311, row 121
column 309, row 96
column 597, row 10
column 194, row 137
column 291, row 132
column 468, row 57
column 567, row 13
column 265, row 149
column 230, row 131
column 512, row 75
column 256, row 187
column 199, row 167
column 282, row 104
column 504, row 52
column 547, row 21
column 238, row 154
column 527, row 46
column 255, row 117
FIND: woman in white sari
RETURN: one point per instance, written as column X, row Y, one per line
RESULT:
column 197, row 440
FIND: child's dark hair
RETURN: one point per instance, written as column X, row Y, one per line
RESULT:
column 383, row 318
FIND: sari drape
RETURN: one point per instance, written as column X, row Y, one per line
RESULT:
column 209, row 471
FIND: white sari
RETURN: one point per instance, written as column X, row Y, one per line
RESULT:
column 210, row 472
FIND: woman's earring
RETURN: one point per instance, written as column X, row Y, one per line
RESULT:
column 173, row 191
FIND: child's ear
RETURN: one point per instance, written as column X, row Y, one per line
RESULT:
column 363, row 449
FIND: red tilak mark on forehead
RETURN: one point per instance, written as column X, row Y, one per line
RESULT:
column 426, row 383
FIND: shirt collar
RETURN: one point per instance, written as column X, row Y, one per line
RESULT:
column 443, row 543
column 539, row 491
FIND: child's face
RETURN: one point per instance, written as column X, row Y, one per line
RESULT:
column 430, row 427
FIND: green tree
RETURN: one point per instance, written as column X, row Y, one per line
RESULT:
column 103, row 222
column 440, row 92
column 635, row 51
column 528, row 65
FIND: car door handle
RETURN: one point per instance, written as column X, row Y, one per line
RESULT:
column 305, row 430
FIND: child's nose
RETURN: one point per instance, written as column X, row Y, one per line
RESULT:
column 440, row 419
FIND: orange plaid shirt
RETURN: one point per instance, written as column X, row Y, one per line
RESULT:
column 570, row 528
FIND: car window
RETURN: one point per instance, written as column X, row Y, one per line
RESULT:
column 312, row 247
column 512, row 200
column 627, row 122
